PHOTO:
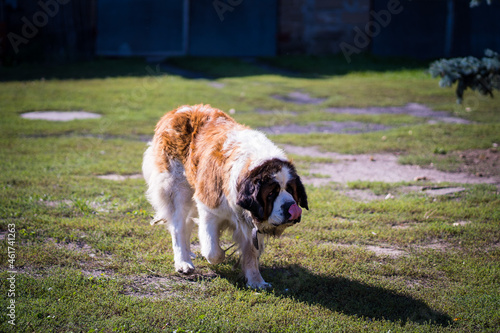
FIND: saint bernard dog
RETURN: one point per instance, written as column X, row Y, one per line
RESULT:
column 203, row 167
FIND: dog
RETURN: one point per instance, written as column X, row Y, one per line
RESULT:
column 203, row 167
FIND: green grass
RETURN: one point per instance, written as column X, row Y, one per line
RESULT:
column 87, row 259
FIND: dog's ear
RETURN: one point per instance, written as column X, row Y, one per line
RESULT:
column 248, row 190
column 301, row 193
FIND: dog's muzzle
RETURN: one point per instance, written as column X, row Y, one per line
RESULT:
column 292, row 214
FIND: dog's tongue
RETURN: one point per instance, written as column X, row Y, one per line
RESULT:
column 294, row 211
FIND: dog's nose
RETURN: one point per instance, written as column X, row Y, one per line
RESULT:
column 292, row 211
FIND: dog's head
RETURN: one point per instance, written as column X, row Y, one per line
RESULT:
column 272, row 193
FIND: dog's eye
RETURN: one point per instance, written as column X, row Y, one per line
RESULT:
column 273, row 194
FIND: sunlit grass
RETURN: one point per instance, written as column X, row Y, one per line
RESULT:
column 89, row 261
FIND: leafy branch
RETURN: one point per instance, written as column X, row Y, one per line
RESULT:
column 482, row 75
column 475, row 3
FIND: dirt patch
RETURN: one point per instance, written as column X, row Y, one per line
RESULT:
column 386, row 251
column 77, row 246
column 151, row 287
column 412, row 109
column 351, row 127
column 394, row 252
column 216, row 85
column 342, row 127
column 276, row 112
column 461, row 223
column 97, row 206
column 438, row 246
column 99, row 273
column 117, row 177
column 157, row 287
column 367, row 195
column 298, row 97
column 401, row 226
column 442, row 190
column 81, row 246
column 56, row 203
column 480, row 162
column 363, row 195
column 376, row 167
column 382, row 251
column 60, row 115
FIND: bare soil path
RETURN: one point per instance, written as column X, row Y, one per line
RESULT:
column 376, row 167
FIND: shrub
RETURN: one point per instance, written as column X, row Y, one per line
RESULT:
column 482, row 75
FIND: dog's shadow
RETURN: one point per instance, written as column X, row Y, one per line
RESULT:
column 351, row 297
column 347, row 296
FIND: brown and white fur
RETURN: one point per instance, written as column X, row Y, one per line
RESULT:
column 203, row 167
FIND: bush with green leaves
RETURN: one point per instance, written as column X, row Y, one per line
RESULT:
column 475, row 3
column 482, row 75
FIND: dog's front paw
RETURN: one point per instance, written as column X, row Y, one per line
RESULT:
column 259, row 285
column 184, row 267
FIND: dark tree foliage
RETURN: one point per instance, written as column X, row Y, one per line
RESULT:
column 482, row 75
column 475, row 3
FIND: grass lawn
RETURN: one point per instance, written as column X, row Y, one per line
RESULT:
column 87, row 260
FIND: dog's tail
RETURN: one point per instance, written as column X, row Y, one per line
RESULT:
column 148, row 163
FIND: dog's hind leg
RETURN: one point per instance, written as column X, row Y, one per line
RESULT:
column 190, row 222
column 171, row 196
column 180, row 229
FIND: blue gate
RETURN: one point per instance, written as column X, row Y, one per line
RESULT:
column 233, row 28
column 141, row 27
column 183, row 27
